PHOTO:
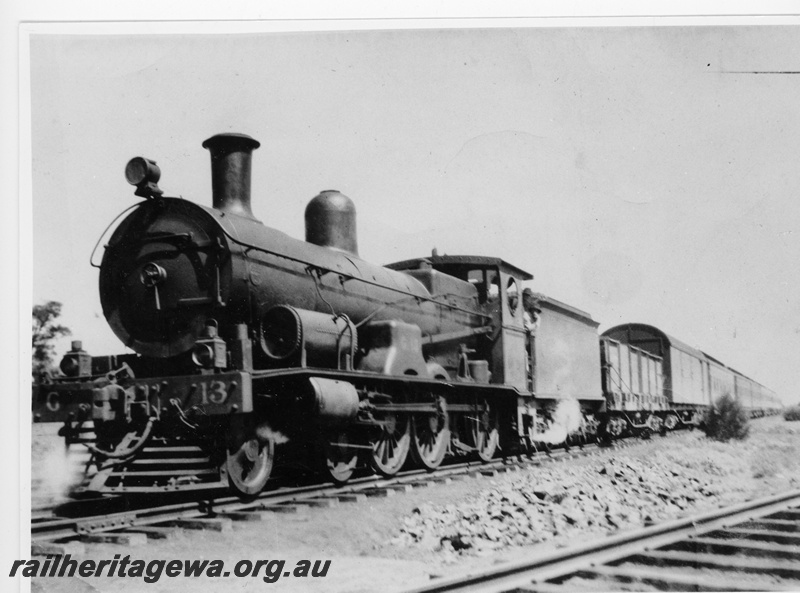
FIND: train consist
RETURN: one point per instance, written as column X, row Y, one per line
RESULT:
column 653, row 381
column 251, row 346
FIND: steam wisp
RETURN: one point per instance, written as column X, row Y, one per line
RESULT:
column 266, row 433
column 567, row 419
column 54, row 470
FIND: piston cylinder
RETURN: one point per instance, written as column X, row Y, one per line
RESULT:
column 334, row 401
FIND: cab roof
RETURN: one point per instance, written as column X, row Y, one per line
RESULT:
column 465, row 261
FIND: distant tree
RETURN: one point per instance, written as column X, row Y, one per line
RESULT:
column 727, row 420
column 45, row 331
column 792, row 414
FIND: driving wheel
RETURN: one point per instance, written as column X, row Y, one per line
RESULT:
column 431, row 436
column 340, row 458
column 484, row 433
column 390, row 449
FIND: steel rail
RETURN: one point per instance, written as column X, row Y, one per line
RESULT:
column 532, row 575
column 56, row 528
column 63, row 527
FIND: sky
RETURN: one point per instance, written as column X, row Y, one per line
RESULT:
column 640, row 173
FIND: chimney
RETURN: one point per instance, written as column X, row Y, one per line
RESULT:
column 231, row 156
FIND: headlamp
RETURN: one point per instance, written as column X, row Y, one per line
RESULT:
column 203, row 355
column 144, row 174
column 210, row 351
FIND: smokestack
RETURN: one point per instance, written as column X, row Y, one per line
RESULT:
column 231, row 156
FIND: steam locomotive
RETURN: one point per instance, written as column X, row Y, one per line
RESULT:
column 247, row 342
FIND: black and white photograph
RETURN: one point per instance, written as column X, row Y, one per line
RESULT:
column 419, row 304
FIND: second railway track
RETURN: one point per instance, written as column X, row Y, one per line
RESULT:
column 750, row 546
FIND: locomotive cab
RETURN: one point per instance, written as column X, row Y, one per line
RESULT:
column 497, row 291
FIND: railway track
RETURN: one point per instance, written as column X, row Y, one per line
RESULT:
column 51, row 525
column 747, row 547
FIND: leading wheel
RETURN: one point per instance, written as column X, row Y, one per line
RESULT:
column 430, row 437
column 484, row 433
column 340, row 459
column 250, row 466
column 390, row 449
